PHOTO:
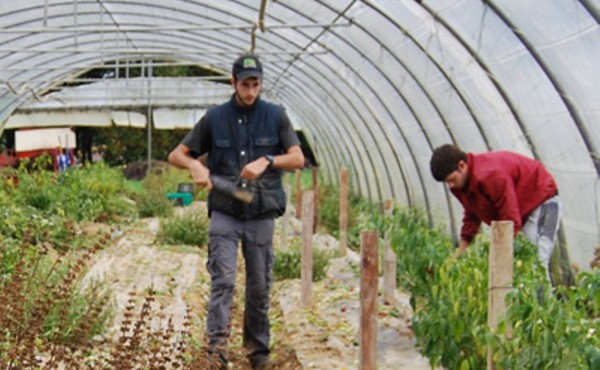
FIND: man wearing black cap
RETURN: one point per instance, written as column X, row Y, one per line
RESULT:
column 248, row 141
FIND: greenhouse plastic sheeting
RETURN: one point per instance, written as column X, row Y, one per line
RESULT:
column 375, row 86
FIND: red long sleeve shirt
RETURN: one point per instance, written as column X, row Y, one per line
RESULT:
column 502, row 186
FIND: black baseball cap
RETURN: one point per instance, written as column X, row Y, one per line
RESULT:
column 247, row 65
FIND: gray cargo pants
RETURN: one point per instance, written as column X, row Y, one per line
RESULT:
column 257, row 248
column 541, row 228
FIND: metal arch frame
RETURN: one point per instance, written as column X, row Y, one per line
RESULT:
column 530, row 48
column 116, row 57
column 459, row 93
column 407, row 104
column 69, row 38
column 481, row 63
column 382, row 128
column 443, row 72
column 358, row 114
column 367, row 127
column 346, row 137
column 336, row 127
column 349, row 135
column 103, row 5
column 333, row 158
column 297, row 93
column 341, row 109
column 455, row 89
column 415, row 116
column 593, row 10
column 192, row 39
column 590, row 146
column 136, row 14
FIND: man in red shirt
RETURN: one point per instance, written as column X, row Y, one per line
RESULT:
column 501, row 186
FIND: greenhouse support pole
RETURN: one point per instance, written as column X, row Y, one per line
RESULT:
column 343, row 231
column 500, row 276
column 368, row 300
column 307, row 253
column 149, row 119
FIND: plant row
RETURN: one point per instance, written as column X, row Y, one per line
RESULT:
column 544, row 327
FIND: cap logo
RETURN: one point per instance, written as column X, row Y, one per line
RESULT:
column 249, row 63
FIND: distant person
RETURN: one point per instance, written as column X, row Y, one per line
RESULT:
column 63, row 159
column 249, row 141
column 96, row 154
column 501, row 186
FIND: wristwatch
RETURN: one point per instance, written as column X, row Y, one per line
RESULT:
column 270, row 158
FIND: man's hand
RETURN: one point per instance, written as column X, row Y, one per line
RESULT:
column 180, row 158
column 254, row 169
column 200, row 175
column 462, row 247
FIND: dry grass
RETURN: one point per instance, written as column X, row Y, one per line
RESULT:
column 146, row 339
column 36, row 309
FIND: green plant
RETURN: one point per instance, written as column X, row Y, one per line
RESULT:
column 362, row 213
column 188, row 227
column 124, row 145
column 150, row 205
column 152, row 200
column 420, row 251
column 450, row 320
column 564, row 330
column 549, row 329
column 288, row 263
column 92, row 192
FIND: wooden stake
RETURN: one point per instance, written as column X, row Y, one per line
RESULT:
column 500, row 276
column 390, row 263
column 298, row 194
column 285, row 222
column 343, row 211
column 368, row 300
column 315, row 178
column 307, row 256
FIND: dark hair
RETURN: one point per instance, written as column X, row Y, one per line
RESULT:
column 444, row 160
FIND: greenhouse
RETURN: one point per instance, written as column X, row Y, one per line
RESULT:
column 373, row 86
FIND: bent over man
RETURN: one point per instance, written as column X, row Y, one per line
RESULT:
column 501, row 186
column 249, row 142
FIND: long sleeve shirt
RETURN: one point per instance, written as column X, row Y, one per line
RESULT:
column 502, row 186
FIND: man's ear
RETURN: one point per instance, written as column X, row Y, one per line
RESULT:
column 462, row 165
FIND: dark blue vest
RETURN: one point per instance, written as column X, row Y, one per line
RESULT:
column 239, row 136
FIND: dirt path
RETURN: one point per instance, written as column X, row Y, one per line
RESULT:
column 324, row 336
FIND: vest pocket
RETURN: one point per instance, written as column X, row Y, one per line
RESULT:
column 224, row 157
column 265, row 145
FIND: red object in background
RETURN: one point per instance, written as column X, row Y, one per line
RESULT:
column 36, row 153
column 8, row 158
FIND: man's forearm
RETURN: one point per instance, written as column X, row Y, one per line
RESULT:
column 292, row 160
column 179, row 158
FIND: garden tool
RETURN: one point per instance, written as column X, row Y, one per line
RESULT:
column 230, row 188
